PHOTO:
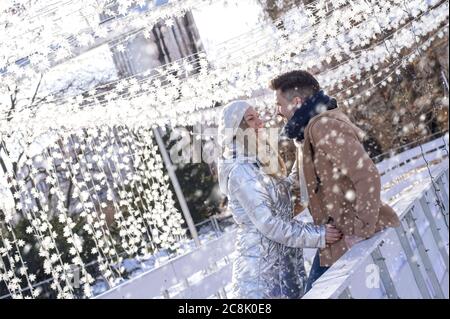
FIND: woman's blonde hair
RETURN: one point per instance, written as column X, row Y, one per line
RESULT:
column 266, row 157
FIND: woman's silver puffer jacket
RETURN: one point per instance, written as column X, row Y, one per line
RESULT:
column 269, row 258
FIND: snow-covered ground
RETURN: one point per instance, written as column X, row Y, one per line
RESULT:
column 136, row 266
column 207, row 232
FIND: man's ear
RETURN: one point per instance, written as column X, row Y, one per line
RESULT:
column 297, row 100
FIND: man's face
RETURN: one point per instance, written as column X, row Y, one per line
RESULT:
column 286, row 108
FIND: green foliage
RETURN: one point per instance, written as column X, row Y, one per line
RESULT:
column 199, row 187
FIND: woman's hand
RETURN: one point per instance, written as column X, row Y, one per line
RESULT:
column 332, row 234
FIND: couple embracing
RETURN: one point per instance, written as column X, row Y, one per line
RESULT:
column 333, row 176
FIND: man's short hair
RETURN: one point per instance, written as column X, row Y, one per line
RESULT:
column 295, row 83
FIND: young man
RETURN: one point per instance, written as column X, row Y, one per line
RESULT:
column 341, row 182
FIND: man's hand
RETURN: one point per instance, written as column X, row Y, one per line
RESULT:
column 332, row 234
column 352, row 240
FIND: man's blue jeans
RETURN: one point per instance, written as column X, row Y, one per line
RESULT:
column 315, row 273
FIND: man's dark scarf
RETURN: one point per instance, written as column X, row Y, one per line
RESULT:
column 314, row 105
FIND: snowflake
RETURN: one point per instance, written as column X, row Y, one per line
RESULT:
column 120, row 48
column 169, row 22
column 146, row 34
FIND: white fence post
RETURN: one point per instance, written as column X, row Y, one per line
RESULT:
column 409, row 218
column 434, row 230
column 413, row 263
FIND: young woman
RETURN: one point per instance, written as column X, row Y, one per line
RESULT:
column 269, row 261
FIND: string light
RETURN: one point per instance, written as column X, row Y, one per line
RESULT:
column 154, row 96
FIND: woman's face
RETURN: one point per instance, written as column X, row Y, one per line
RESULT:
column 251, row 118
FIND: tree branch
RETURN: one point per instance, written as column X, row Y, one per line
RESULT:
column 13, row 98
column 37, row 89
